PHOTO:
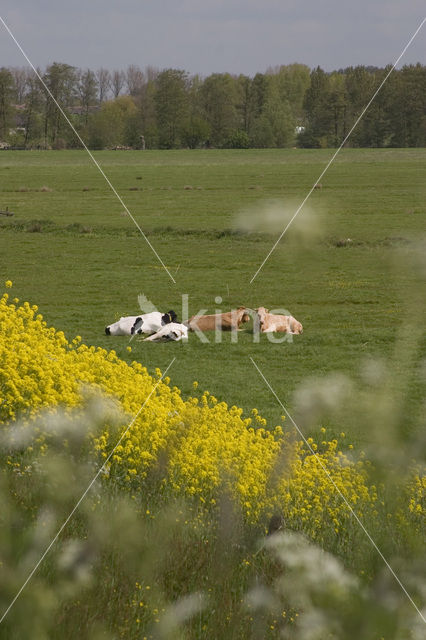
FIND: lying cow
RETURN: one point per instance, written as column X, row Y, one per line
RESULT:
column 228, row 321
column 172, row 331
column 147, row 323
column 268, row 322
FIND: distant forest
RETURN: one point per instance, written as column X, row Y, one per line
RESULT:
column 289, row 105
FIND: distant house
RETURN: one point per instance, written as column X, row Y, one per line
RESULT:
column 299, row 130
column 13, row 132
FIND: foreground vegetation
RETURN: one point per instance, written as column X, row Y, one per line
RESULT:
column 190, row 485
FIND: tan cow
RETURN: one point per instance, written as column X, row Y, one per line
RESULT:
column 269, row 322
column 228, row 321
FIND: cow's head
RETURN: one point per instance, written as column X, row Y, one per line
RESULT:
column 261, row 314
column 242, row 315
column 169, row 317
column 296, row 326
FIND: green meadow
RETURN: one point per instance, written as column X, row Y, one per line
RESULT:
column 345, row 268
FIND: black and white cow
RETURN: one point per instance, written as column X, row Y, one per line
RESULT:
column 172, row 331
column 146, row 323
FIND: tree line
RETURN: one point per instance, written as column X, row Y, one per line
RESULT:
column 288, row 105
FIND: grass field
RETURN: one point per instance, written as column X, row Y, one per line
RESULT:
column 142, row 552
column 71, row 250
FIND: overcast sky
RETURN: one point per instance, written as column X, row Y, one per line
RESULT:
column 206, row 36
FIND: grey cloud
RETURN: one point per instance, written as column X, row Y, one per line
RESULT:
column 203, row 36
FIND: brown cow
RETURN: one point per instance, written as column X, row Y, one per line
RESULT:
column 228, row 321
column 269, row 322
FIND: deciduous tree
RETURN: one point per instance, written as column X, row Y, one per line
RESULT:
column 118, row 79
column 219, row 98
column 109, row 126
column 103, row 77
column 172, row 106
column 88, row 91
column 135, row 80
column 61, row 79
column 6, row 94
